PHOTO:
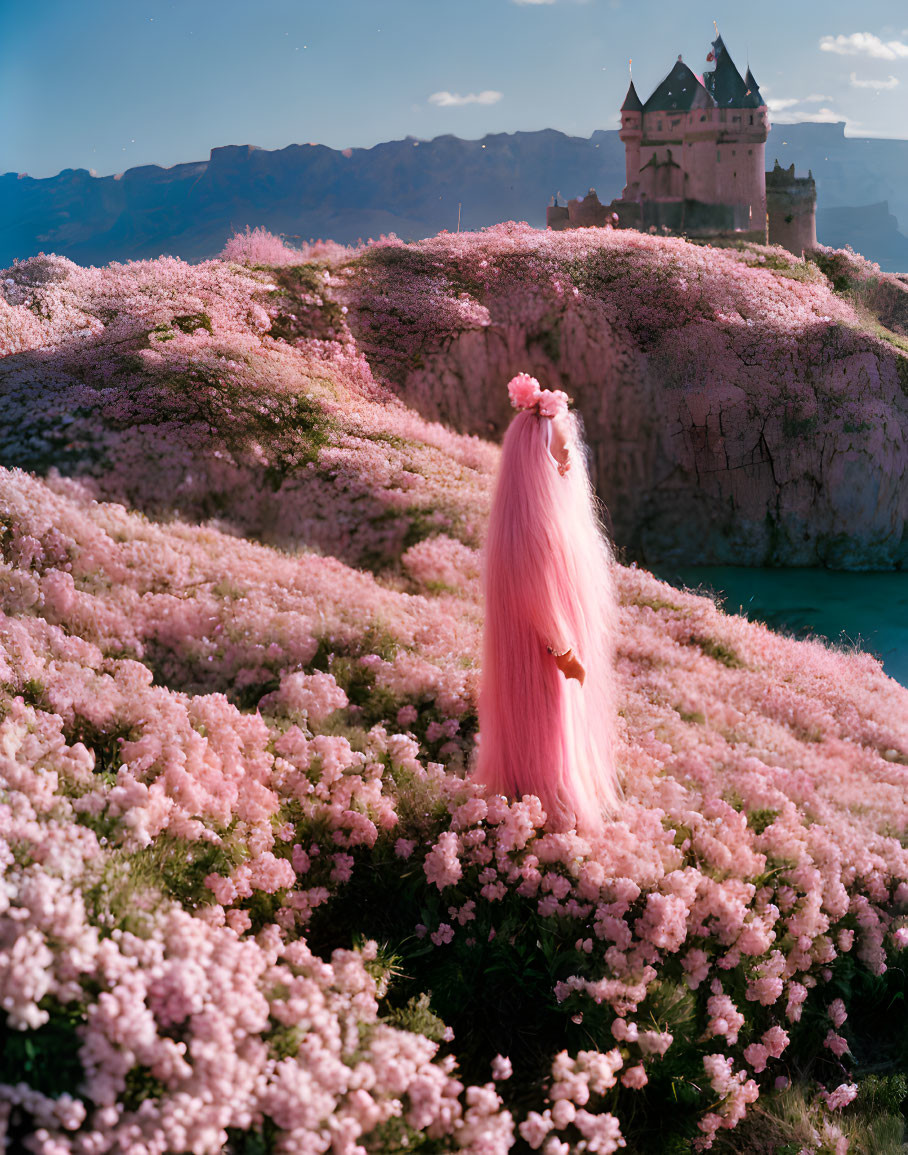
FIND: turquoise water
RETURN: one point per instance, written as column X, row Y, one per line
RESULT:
column 866, row 609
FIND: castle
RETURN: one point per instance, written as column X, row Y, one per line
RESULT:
column 695, row 157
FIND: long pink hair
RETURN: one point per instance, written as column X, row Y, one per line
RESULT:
column 548, row 581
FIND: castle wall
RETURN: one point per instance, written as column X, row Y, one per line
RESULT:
column 587, row 212
column 792, row 208
column 708, row 155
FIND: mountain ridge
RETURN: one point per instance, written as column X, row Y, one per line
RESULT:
column 412, row 187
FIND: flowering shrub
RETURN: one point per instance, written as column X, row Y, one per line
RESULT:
column 250, row 900
column 238, row 398
column 261, row 247
column 880, row 296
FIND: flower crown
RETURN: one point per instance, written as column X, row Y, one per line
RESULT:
column 526, row 393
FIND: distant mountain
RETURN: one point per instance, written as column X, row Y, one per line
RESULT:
column 410, row 187
column 871, row 230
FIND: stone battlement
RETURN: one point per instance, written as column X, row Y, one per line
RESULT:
column 791, row 203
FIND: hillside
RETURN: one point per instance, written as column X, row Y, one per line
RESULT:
column 413, row 188
column 250, row 902
column 739, row 407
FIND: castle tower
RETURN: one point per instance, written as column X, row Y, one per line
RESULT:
column 695, row 158
column 741, row 125
column 557, row 216
column 792, row 207
column 631, row 133
column 695, row 154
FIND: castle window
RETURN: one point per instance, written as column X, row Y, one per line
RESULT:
column 751, row 118
column 702, row 118
column 734, row 152
column 750, row 151
column 718, row 156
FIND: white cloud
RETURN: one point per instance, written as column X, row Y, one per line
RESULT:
column 879, row 85
column 454, row 99
column 824, row 116
column 794, row 115
column 797, row 110
column 782, row 103
column 864, row 44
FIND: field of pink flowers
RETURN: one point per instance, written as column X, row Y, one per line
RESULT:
column 251, row 904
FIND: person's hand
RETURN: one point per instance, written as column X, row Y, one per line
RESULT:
column 571, row 666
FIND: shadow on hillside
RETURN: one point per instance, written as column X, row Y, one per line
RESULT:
column 192, row 442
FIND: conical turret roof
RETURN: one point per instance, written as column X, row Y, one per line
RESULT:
column 679, row 92
column 753, row 91
column 725, row 84
column 632, row 102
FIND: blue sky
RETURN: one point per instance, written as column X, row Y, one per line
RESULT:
column 110, row 84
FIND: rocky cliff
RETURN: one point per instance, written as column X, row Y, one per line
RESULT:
column 739, row 409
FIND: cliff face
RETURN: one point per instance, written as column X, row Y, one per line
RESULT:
column 739, row 410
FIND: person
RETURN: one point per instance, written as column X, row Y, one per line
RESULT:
column 547, row 712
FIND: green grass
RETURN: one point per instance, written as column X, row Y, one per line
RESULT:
column 713, row 648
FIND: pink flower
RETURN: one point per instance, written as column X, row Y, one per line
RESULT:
column 238, row 920
column 624, row 1031
column 841, row 1096
column 563, row 1113
column 501, row 1068
column 343, row 867
column 552, row 402
column 404, row 847
column 535, row 1127
column 655, row 1042
column 775, row 1040
column 635, row 1077
column 756, row 1054
column 442, row 865
column 836, row 1011
column 602, row 1131
column 270, row 874
column 725, row 1018
column 222, row 888
column 835, row 1043
column 406, row 715
column 524, row 391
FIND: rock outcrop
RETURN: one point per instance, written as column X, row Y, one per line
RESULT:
column 739, row 411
